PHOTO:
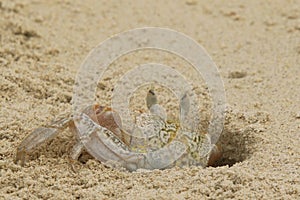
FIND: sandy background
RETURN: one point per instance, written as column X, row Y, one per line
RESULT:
column 256, row 47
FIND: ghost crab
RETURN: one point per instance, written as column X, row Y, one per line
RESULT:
column 155, row 143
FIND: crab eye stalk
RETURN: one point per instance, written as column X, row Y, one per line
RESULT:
column 151, row 98
column 154, row 107
column 184, row 105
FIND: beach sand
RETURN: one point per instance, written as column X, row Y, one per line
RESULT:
column 256, row 46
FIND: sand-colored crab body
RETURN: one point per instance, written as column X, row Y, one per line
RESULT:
column 154, row 143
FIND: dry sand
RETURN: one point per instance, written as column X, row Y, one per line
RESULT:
column 256, row 46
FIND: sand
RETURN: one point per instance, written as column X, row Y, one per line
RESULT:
column 256, row 46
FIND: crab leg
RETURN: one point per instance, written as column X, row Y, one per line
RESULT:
column 38, row 137
column 76, row 150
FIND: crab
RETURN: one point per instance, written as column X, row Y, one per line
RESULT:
column 154, row 143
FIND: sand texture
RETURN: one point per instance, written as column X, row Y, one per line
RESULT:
column 255, row 44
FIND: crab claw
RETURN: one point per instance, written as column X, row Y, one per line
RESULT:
column 102, row 144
